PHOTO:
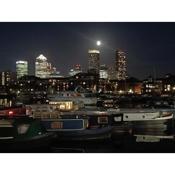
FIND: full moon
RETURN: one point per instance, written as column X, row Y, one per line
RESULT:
column 98, row 43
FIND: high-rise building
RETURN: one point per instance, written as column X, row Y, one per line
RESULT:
column 103, row 72
column 42, row 67
column 120, row 65
column 21, row 68
column 94, row 61
column 7, row 77
column 77, row 69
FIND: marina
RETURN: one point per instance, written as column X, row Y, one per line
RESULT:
column 89, row 105
column 64, row 125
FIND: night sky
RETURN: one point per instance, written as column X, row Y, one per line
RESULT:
column 149, row 46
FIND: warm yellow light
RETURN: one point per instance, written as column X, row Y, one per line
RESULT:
column 62, row 106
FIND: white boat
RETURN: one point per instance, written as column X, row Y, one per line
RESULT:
column 145, row 114
column 145, row 122
column 86, row 99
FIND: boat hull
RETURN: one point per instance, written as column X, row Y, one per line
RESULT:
column 158, row 127
column 164, row 125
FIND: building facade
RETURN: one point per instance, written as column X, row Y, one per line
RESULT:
column 42, row 68
column 7, row 78
column 120, row 65
column 94, row 61
column 21, row 68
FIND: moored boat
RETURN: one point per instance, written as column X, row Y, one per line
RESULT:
column 82, row 124
column 23, row 134
column 144, row 122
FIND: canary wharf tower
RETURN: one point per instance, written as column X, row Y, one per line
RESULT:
column 42, row 67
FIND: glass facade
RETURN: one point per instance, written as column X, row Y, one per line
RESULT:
column 94, row 61
column 21, row 68
column 42, row 67
column 120, row 65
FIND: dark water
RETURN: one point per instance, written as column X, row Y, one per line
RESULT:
column 126, row 145
column 116, row 144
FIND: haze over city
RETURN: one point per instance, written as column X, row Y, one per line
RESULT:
column 149, row 47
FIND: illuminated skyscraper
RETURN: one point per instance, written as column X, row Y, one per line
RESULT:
column 94, row 61
column 42, row 67
column 21, row 68
column 120, row 65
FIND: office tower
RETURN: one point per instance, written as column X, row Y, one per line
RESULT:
column 120, row 65
column 94, row 61
column 21, row 68
column 42, row 67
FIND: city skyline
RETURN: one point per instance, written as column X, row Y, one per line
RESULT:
column 149, row 46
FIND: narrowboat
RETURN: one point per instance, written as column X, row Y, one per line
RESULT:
column 81, row 124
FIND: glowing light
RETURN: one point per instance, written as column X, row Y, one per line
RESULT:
column 93, row 51
column 98, row 43
column 130, row 91
column 10, row 112
column 41, row 57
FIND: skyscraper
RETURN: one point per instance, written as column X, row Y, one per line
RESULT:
column 21, row 68
column 42, row 67
column 120, row 65
column 94, row 61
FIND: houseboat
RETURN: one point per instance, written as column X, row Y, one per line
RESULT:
column 72, row 123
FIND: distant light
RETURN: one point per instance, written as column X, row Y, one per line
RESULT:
column 41, row 57
column 10, row 112
column 21, row 62
column 98, row 43
column 93, row 51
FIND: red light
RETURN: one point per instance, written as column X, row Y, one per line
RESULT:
column 10, row 113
